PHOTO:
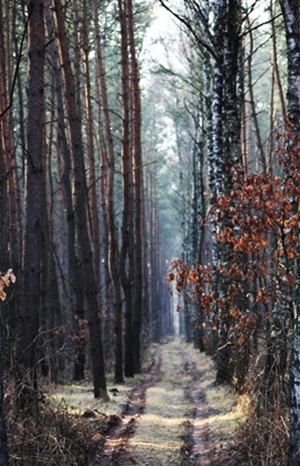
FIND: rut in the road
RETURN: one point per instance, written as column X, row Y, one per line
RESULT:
column 112, row 451
column 198, row 448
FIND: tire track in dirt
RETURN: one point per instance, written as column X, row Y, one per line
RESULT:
column 198, row 448
column 111, row 451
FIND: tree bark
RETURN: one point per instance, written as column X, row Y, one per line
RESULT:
column 90, row 286
column 29, row 313
column 126, row 255
column 3, row 435
column 73, row 270
column 137, row 167
column 93, row 201
column 107, row 190
column 290, row 10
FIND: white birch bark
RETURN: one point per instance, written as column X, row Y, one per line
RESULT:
column 290, row 10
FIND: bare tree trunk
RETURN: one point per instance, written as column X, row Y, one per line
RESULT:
column 126, row 255
column 93, row 201
column 7, row 138
column 29, row 312
column 3, row 436
column 74, row 273
column 216, row 158
column 290, row 10
column 50, row 358
column 154, row 318
column 231, row 108
column 107, row 189
column 227, row 43
column 90, row 285
column 275, row 63
column 259, row 143
column 11, row 223
column 137, row 195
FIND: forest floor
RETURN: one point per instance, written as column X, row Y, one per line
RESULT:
column 172, row 414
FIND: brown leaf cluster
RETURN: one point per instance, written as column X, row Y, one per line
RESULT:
column 5, row 280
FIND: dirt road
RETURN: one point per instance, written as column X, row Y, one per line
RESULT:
column 173, row 416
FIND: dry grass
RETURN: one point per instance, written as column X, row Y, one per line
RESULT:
column 259, row 442
column 78, row 398
column 61, row 432
column 53, row 437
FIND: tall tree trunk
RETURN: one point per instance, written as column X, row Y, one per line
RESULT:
column 275, row 62
column 137, row 168
column 3, row 435
column 231, row 107
column 73, row 269
column 90, row 286
column 259, row 143
column 216, row 158
column 154, row 318
column 126, row 255
column 227, row 43
column 12, row 222
column 7, row 125
column 29, row 312
column 51, row 318
column 93, row 201
column 290, row 10
column 107, row 189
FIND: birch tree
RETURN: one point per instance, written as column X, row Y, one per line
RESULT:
column 291, row 14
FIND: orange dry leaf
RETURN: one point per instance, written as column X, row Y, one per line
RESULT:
column 170, row 277
column 235, row 313
column 5, row 280
column 192, row 277
column 270, row 204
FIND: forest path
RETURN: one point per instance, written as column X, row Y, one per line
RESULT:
column 174, row 415
column 173, row 428
column 170, row 415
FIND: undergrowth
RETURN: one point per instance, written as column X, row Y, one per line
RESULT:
column 259, row 441
column 52, row 437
